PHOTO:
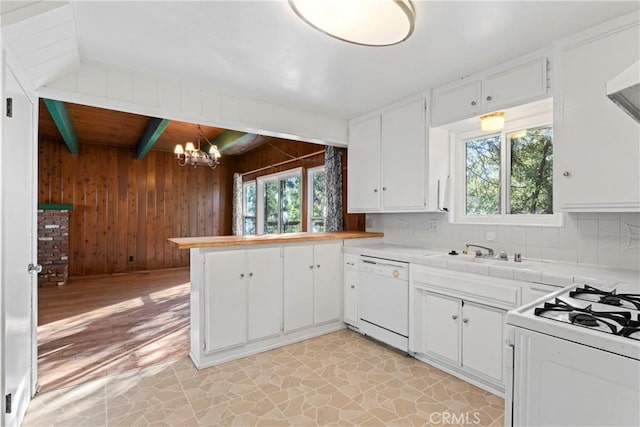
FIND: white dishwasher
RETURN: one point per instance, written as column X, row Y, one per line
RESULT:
column 384, row 300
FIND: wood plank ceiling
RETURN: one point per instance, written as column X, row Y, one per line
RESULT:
column 93, row 125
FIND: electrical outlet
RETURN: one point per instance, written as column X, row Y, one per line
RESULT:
column 432, row 225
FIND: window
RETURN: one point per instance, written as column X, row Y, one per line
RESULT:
column 507, row 177
column 249, row 207
column 317, row 199
column 279, row 202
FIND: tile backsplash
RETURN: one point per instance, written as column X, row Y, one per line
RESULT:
column 603, row 239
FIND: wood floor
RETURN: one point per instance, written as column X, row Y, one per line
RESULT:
column 98, row 326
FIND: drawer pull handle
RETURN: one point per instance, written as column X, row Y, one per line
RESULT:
column 454, row 317
column 250, row 274
column 241, row 275
column 489, row 98
column 353, row 286
column 311, row 267
column 465, row 320
column 473, row 103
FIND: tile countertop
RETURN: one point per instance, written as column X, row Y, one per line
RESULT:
column 554, row 273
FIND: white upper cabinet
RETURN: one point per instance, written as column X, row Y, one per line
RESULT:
column 453, row 103
column 404, row 154
column 518, row 85
column 501, row 87
column 388, row 160
column 596, row 144
column 363, row 171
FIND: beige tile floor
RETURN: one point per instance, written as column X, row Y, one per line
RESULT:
column 339, row 379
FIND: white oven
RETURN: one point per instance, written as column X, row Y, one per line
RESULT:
column 384, row 300
column 574, row 359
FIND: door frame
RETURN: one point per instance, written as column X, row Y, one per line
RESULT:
column 9, row 64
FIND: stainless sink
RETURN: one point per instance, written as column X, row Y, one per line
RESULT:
column 490, row 261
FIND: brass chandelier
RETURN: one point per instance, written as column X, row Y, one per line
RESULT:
column 191, row 155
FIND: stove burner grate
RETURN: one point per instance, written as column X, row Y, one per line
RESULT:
column 583, row 319
column 610, row 298
column 607, row 321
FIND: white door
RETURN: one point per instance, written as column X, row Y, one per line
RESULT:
column 456, row 103
column 442, row 326
column 350, row 314
column 264, row 293
column 298, row 287
column 403, row 176
column 18, row 251
column 363, row 171
column 226, row 299
column 327, row 283
column 482, row 339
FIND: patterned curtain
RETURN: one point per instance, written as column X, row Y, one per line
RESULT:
column 237, row 205
column 333, row 182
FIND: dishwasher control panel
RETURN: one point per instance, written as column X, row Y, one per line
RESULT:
column 383, row 267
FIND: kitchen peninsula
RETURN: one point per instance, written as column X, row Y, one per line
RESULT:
column 254, row 293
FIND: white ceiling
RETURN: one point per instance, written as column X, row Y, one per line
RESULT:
column 262, row 50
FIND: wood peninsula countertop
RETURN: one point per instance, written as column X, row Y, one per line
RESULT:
column 265, row 239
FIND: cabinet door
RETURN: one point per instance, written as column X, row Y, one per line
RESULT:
column 298, row 287
column 363, row 171
column 596, row 147
column 225, row 300
column 482, row 339
column 451, row 104
column 327, row 289
column 442, row 326
column 350, row 315
column 404, row 157
column 264, row 293
column 514, row 86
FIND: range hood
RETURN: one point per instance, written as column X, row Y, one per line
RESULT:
column 624, row 90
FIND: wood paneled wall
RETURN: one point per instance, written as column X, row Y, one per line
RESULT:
column 123, row 207
column 274, row 152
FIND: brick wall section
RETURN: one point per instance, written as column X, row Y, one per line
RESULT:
column 53, row 246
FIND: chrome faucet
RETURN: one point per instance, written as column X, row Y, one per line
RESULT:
column 478, row 251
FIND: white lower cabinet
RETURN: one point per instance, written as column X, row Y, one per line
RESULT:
column 441, row 326
column 312, row 285
column 351, row 289
column 243, row 297
column 457, row 322
column 466, row 334
column 483, row 339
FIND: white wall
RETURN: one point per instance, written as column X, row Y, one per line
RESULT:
column 603, row 239
column 106, row 86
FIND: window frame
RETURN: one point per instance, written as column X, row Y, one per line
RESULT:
column 459, row 209
column 310, row 217
column 260, row 202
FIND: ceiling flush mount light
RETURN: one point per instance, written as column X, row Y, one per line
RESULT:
column 364, row 22
column 492, row 121
column 191, row 155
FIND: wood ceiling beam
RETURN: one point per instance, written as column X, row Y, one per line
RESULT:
column 154, row 129
column 229, row 138
column 61, row 118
